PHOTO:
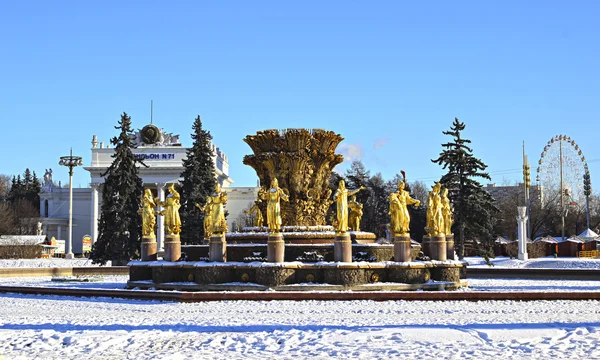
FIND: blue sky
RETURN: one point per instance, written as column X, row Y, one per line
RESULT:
column 388, row 76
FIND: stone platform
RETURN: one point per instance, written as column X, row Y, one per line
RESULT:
column 256, row 276
column 297, row 252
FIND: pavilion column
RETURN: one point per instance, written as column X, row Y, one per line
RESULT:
column 95, row 187
column 160, row 233
column 59, row 233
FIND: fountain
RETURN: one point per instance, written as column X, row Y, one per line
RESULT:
column 294, row 167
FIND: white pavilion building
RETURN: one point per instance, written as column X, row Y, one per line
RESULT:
column 163, row 154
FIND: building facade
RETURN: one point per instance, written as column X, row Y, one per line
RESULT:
column 162, row 153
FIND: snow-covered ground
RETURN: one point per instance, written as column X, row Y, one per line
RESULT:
column 58, row 327
column 53, row 327
column 537, row 263
column 46, row 263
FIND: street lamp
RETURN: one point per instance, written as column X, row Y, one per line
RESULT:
column 70, row 162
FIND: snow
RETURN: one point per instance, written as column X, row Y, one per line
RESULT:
column 548, row 262
column 588, row 234
column 21, row 239
column 57, row 327
column 61, row 327
column 47, row 263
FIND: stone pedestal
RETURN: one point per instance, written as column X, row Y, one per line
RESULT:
column 275, row 248
column 342, row 247
column 425, row 245
column 172, row 248
column 149, row 249
column 217, row 248
column 450, row 255
column 402, row 248
column 437, row 247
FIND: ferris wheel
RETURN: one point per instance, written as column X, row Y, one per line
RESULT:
column 562, row 165
column 563, row 173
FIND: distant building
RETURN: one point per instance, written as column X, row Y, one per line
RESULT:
column 162, row 153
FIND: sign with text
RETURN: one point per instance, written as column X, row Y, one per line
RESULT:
column 155, row 156
column 86, row 244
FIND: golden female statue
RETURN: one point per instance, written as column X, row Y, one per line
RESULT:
column 258, row 218
column 399, row 216
column 356, row 213
column 148, row 212
column 217, row 210
column 435, row 219
column 341, row 200
column 273, row 196
column 206, row 209
column 446, row 212
column 171, row 213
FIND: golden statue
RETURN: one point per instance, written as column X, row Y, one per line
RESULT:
column 435, row 219
column 217, row 210
column 399, row 216
column 258, row 218
column 148, row 212
column 171, row 213
column 206, row 209
column 273, row 196
column 356, row 213
column 341, row 199
column 446, row 212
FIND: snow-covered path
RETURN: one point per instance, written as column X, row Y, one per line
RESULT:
column 63, row 327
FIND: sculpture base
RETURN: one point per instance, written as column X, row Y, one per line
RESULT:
column 275, row 248
column 450, row 254
column 172, row 248
column 402, row 248
column 217, row 248
column 149, row 249
column 342, row 248
column 437, row 247
column 324, row 276
column 425, row 246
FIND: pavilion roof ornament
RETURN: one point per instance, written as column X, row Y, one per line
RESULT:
column 151, row 135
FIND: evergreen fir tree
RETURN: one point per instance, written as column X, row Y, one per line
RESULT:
column 474, row 209
column 26, row 189
column 376, row 208
column 120, row 227
column 16, row 189
column 33, row 192
column 197, row 184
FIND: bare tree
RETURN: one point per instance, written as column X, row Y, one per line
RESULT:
column 5, row 182
column 243, row 219
column 26, row 217
column 7, row 219
column 419, row 191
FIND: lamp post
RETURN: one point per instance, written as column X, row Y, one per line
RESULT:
column 70, row 162
column 587, row 191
